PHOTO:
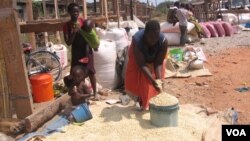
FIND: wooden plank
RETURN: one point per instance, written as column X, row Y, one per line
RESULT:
column 56, row 13
column 45, row 16
column 52, row 25
column 105, row 4
column 229, row 11
column 4, row 90
column 131, row 10
column 41, row 27
column 6, row 3
column 101, row 6
column 117, row 7
column 18, row 84
column 31, row 36
column 84, row 6
column 50, row 20
column 236, row 11
column 41, row 116
column 135, row 8
column 100, row 20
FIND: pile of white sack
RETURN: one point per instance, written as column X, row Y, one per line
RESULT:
column 236, row 19
column 112, row 41
column 172, row 33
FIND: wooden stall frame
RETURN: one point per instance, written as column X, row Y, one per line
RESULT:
column 16, row 74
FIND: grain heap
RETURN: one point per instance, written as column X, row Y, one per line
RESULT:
column 164, row 99
column 117, row 122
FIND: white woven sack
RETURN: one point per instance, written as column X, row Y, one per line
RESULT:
column 175, row 29
column 104, row 62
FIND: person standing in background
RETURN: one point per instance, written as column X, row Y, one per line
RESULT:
column 193, row 20
column 77, row 34
column 182, row 14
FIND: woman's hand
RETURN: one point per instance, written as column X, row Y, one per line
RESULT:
column 95, row 97
column 158, row 85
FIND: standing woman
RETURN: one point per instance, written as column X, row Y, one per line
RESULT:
column 145, row 66
column 193, row 20
column 81, row 52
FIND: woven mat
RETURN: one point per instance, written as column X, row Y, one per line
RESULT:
column 179, row 71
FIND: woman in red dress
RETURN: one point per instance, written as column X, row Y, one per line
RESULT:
column 145, row 66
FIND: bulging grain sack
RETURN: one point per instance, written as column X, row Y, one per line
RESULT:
column 104, row 63
column 212, row 29
column 219, row 28
column 132, row 33
column 169, row 28
column 228, row 28
column 120, row 37
column 101, row 33
column 173, row 38
column 244, row 18
column 230, row 17
column 164, row 99
column 206, row 32
column 197, row 64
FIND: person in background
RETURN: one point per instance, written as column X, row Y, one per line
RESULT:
column 182, row 14
column 193, row 20
column 171, row 16
column 145, row 68
column 78, row 90
column 81, row 48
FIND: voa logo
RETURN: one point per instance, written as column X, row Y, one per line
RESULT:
column 236, row 132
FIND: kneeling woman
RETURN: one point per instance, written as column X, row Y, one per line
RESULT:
column 145, row 66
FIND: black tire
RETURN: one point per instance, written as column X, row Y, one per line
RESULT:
column 44, row 62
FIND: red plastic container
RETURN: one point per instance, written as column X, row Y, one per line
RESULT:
column 42, row 87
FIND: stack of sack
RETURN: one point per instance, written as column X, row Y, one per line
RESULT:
column 217, row 29
column 114, row 43
column 234, row 19
column 172, row 33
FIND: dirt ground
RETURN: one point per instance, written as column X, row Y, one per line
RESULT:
column 229, row 62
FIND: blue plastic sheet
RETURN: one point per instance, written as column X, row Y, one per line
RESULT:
column 55, row 126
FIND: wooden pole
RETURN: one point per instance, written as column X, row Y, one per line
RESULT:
column 135, row 8
column 4, row 89
column 45, row 16
column 84, row 8
column 12, row 62
column 32, row 38
column 4, row 95
column 56, row 13
column 101, row 6
column 114, row 6
column 131, row 10
column 105, row 4
column 118, row 12
column 106, row 11
column 206, row 10
column 95, row 6
column 40, row 117
column 147, row 8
